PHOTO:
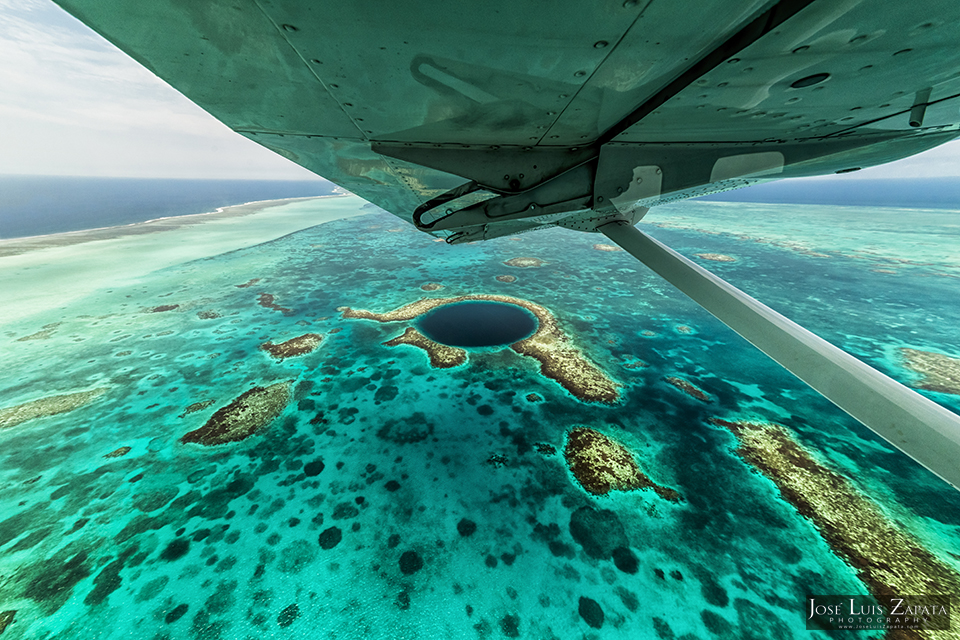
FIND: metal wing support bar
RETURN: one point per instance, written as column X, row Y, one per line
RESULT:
column 919, row 427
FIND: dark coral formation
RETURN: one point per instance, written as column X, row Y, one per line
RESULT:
column 431, row 286
column 248, row 283
column 117, row 453
column 414, row 428
column 887, row 558
column 441, row 355
column 507, row 278
column 688, row 388
column 288, row 615
column 939, row 372
column 196, row 406
column 329, row 538
column 49, row 406
column 466, row 528
column 6, row 618
column 591, row 612
column 410, row 562
column 266, row 300
column 164, row 307
column 249, row 412
column 208, row 314
column 299, row 346
column 601, row 464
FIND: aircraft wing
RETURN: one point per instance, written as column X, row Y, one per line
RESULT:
column 403, row 102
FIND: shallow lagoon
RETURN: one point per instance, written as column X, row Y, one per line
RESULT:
column 452, row 521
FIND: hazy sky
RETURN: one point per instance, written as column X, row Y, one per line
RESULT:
column 73, row 104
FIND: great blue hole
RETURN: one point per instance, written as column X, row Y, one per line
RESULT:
column 477, row 324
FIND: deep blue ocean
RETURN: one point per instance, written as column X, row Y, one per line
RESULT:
column 41, row 205
column 907, row 193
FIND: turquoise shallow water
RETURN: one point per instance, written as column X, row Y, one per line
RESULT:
column 184, row 541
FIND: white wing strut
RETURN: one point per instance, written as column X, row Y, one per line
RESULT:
column 919, row 427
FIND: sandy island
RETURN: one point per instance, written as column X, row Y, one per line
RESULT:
column 886, row 557
column 559, row 359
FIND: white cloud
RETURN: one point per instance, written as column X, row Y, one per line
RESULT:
column 71, row 103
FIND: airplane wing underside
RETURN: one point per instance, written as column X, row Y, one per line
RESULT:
column 477, row 120
column 403, row 102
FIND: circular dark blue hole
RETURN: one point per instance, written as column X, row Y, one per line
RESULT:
column 478, row 324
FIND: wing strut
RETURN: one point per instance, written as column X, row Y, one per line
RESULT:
column 919, row 427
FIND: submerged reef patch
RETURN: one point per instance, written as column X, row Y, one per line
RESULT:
column 886, row 558
column 299, row 346
column 6, row 617
column 601, row 465
column 607, row 247
column 507, row 278
column 118, row 453
column 524, row 263
column 559, row 359
column 44, row 334
column 441, row 355
column 431, row 286
column 267, row 301
column 940, row 372
column 49, row 406
column 688, row 388
column 196, row 406
column 249, row 412
column 715, row 257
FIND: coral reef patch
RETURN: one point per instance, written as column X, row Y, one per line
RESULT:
column 431, row 286
column 248, row 413
column 44, row 334
column 601, row 465
column 524, row 263
column 118, row 453
column 607, row 247
column 939, row 372
column 715, row 257
column 441, row 355
column 49, row 406
column 688, row 388
column 503, row 278
column 887, row 558
column 299, row 346
column 267, row 301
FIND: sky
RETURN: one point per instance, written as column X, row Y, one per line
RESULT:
column 73, row 104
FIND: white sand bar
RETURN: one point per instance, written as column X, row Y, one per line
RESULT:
column 45, row 272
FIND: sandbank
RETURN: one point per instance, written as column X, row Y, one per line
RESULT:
column 45, row 272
